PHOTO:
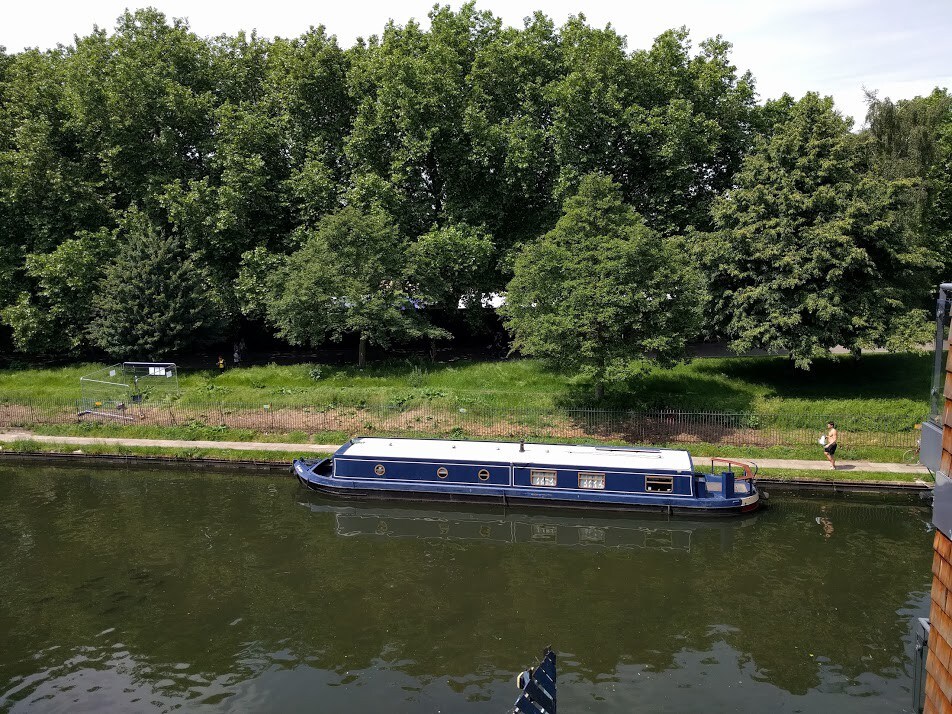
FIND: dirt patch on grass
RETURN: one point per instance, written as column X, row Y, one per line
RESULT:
column 430, row 420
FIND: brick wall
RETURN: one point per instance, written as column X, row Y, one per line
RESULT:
column 939, row 662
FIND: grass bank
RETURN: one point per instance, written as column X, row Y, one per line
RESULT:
column 887, row 384
column 745, row 407
column 841, row 475
column 38, row 447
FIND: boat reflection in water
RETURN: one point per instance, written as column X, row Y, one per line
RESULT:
column 472, row 523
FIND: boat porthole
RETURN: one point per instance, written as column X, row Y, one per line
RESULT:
column 379, row 470
column 442, row 472
column 483, row 475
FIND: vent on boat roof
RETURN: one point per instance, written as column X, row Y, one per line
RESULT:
column 631, row 449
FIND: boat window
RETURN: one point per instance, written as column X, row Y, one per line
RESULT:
column 379, row 470
column 483, row 475
column 659, row 484
column 542, row 477
column 442, row 472
column 591, row 480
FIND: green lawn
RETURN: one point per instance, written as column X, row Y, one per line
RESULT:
column 37, row 447
column 876, row 400
column 879, row 384
column 842, row 475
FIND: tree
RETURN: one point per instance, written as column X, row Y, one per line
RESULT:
column 811, row 249
column 50, row 190
column 450, row 264
column 601, row 292
column 910, row 139
column 450, row 268
column 142, row 101
column 53, row 318
column 154, row 300
column 348, row 278
column 511, row 161
column 669, row 127
column 411, row 89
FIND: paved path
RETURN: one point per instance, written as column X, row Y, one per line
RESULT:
column 806, row 465
column 789, row 464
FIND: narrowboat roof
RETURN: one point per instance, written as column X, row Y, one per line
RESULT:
column 567, row 455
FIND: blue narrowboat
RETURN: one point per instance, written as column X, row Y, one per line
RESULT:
column 555, row 475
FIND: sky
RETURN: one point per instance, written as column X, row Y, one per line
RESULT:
column 899, row 48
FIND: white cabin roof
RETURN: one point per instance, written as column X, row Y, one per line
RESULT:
column 568, row 455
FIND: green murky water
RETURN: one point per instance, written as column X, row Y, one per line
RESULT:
column 147, row 591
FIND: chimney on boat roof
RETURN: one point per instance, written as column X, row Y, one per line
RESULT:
column 522, row 445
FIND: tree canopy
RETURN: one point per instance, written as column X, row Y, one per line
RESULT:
column 348, row 277
column 153, row 300
column 601, row 292
column 812, row 248
column 469, row 137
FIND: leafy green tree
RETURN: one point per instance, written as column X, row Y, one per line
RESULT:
column 349, row 277
column 670, row 127
column 811, row 250
column 277, row 157
column 512, row 165
column 306, row 88
column 450, row 269
column 142, row 101
column 410, row 87
column 252, row 286
column 54, row 317
column 450, row 264
column 49, row 189
column 904, row 135
column 601, row 292
column 241, row 202
column 909, row 139
column 154, row 301
column 938, row 219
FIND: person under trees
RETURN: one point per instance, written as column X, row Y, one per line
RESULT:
column 811, row 249
column 601, row 293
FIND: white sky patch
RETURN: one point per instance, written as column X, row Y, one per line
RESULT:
column 835, row 47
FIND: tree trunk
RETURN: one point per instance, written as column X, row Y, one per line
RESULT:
column 432, row 349
column 599, row 391
column 362, row 351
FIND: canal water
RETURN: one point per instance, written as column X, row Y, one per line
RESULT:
column 148, row 591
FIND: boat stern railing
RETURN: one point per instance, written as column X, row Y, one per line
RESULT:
column 726, row 482
column 750, row 469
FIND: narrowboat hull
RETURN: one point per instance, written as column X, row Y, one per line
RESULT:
column 609, row 483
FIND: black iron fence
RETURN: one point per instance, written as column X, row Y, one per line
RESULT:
column 660, row 426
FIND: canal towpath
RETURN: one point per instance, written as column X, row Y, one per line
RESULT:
column 79, row 441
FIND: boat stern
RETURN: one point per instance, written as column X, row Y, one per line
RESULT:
column 730, row 489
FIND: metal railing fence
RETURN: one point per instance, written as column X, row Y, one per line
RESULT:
column 660, row 426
